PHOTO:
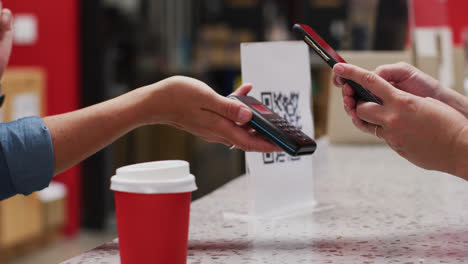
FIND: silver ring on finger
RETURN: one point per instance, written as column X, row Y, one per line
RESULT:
column 233, row 146
column 375, row 131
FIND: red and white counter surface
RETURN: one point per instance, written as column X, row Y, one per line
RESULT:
column 375, row 207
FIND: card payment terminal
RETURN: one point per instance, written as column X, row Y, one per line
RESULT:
column 279, row 131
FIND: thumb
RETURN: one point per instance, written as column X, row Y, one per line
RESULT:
column 243, row 89
column 232, row 110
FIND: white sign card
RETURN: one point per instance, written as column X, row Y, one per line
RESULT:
column 280, row 73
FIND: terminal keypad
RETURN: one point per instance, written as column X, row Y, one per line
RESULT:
column 290, row 129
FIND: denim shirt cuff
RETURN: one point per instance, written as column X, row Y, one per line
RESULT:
column 27, row 146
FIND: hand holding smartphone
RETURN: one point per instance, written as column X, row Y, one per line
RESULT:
column 331, row 57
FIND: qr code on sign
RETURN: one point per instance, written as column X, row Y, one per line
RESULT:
column 286, row 106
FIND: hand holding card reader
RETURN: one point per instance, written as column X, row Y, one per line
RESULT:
column 279, row 131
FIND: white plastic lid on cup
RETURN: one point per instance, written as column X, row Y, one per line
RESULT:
column 169, row 176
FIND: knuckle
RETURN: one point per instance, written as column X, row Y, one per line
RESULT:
column 179, row 80
column 401, row 99
column 407, row 102
column 231, row 109
column 245, row 147
column 360, row 112
column 412, row 106
column 346, row 109
column 392, row 121
column 408, row 69
column 405, row 65
column 394, row 141
column 432, row 100
column 335, row 81
column 381, row 69
column 369, row 79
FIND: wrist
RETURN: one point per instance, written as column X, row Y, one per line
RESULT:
column 154, row 101
column 454, row 99
column 445, row 95
column 127, row 109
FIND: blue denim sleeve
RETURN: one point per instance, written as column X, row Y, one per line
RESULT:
column 26, row 157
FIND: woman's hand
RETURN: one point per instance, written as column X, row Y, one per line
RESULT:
column 191, row 105
column 402, row 76
column 423, row 130
column 6, row 37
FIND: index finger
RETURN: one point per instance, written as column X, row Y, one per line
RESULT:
column 369, row 80
column 242, row 138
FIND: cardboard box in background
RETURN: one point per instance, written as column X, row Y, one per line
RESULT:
column 320, row 82
column 340, row 128
column 25, row 93
column 53, row 200
column 459, row 63
column 435, row 55
column 20, row 220
column 54, row 214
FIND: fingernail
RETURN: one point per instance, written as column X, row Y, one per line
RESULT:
column 244, row 115
column 340, row 80
column 346, row 107
column 338, row 69
column 337, row 79
column 7, row 18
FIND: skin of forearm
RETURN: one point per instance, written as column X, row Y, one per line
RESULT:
column 455, row 100
column 460, row 103
column 79, row 134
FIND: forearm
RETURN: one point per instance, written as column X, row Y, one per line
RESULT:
column 79, row 134
column 455, row 100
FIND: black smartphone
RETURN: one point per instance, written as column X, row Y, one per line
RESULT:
column 331, row 57
column 279, row 131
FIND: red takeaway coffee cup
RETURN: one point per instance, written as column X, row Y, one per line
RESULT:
column 152, row 203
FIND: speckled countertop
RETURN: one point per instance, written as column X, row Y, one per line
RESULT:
column 374, row 207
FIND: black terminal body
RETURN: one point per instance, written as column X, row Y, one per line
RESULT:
column 279, row 131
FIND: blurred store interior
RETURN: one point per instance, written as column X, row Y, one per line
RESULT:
column 79, row 53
